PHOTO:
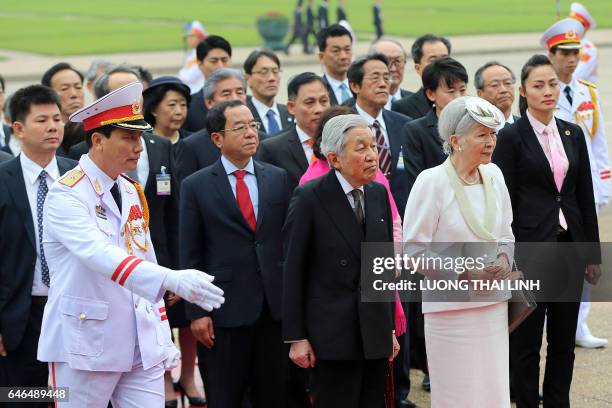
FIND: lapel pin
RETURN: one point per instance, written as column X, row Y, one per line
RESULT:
column 567, row 133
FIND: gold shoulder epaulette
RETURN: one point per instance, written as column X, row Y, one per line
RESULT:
column 587, row 83
column 72, row 177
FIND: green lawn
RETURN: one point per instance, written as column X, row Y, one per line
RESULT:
column 64, row 27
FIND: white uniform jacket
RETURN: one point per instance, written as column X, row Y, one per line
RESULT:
column 106, row 292
column 587, row 66
column 585, row 111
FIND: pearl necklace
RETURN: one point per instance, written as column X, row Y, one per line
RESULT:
column 473, row 183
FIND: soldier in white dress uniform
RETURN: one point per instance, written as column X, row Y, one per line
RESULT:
column 579, row 103
column 105, row 332
column 589, row 59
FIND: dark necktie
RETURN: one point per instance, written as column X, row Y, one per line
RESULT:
column 568, row 94
column 358, row 210
column 384, row 154
column 244, row 199
column 43, row 189
column 272, row 124
column 116, row 195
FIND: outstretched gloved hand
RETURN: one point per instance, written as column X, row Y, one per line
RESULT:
column 195, row 287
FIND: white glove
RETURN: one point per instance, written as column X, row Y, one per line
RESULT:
column 195, row 287
column 173, row 357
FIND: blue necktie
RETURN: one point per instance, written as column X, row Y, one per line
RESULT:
column 272, row 124
column 345, row 93
column 40, row 200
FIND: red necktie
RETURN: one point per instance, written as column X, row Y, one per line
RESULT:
column 244, row 199
column 384, row 155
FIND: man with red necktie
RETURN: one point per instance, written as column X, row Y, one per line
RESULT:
column 231, row 217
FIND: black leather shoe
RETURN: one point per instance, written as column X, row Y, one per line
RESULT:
column 541, row 399
column 171, row 404
column 425, row 384
column 405, row 404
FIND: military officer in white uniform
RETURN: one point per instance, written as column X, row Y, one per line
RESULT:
column 579, row 103
column 105, row 333
column 589, row 59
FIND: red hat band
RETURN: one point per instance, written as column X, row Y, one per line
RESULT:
column 115, row 115
column 581, row 18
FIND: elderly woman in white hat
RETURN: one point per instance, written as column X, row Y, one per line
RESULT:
column 465, row 200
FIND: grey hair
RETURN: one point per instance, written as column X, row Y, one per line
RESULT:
column 221, row 75
column 335, row 131
column 391, row 40
column 100, row 85
column 92, row 72
column 454, row 120
column 479, row 81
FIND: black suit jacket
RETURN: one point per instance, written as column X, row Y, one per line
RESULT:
column 194, row 153
column 416, row 105
column 285, row 117
column 533, row 192
column 18, row 248
column 7, row 133
column 77, row 150
column 332, row 96
column 423, row 147
column 322, row 273
column 196, row 114
column 398, row 179
column 215, row 237
column 163, row 209
column 4, row 156
column 285, row 150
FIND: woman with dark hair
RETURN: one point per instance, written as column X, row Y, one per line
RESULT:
column 546, row 168
column 165, row 107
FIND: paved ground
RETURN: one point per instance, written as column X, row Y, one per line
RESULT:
column 592, row 384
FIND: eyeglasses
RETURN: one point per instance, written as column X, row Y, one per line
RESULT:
column 242, row 129
column 267, row 71
column 508, row 83
column 398, row 62
column 378, row 77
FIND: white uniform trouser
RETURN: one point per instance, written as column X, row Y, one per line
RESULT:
column 92, row 389
column 582, row 329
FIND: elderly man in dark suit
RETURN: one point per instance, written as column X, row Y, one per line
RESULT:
column 262, row 72
column 212, row 53
column 495, row 83
column 347, row 342
column 370, row 79
column 292, row 149
column 24, row 182
column 424, row 50
column 240, row 201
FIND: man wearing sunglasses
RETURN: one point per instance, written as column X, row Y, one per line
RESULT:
column 243, row 202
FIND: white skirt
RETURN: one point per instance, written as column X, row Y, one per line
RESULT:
column 467, row 352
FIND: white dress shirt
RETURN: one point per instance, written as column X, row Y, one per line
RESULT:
column 397, row 95
column 249, row 179
column 262, row 111
column 371, row 120
column 335, row 86
column 348, row 188
column 304, row 138
column 31, row 171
